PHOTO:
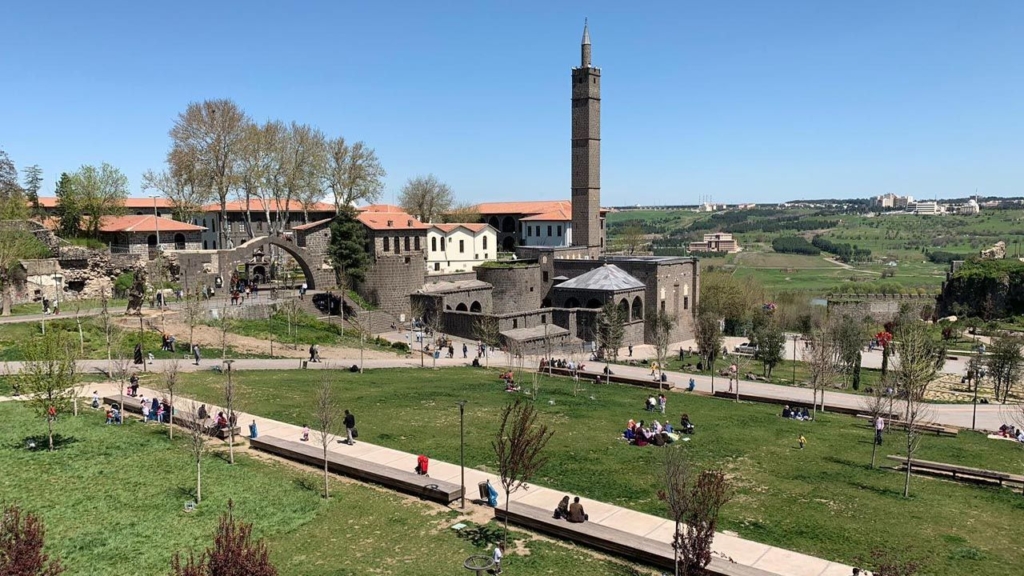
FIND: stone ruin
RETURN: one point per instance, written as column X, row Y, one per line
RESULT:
column 996, row 252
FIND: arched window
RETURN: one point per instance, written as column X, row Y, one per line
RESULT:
column 593, row 303
column 508, row 224
column 179, row 241
column 475, row 306
column 442, row 244
column 485, row 242
column 461, row 307
column 572, row 303
column 433, row 244
column 624, row 309
column 638, row 309
column 493, row 221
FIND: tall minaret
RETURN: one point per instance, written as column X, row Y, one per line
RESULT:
column 586, row 151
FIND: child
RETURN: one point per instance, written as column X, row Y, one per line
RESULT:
column 305, row 433
column 95, row 400
column 802, row 441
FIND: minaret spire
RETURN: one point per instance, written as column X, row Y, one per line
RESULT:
column 585, row 46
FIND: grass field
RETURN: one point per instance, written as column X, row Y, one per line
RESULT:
column 823, row 500
column 113, row 497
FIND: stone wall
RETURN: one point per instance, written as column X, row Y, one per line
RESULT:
column 451, row 277
column 316, row 240
column 878, row 307
column 391, row 280
column 516, row 287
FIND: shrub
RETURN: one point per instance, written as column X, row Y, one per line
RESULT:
column 794, row 245
column 400, row 346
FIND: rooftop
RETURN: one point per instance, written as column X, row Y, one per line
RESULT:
column 557, row 215
column 535, row 333
column 456, row 286
column 311, row 224
column 390, row 221
column 606, row 278
column 529, row 207
column 145, row 223
column 256, row 205
column 449, row 228
column 130, row 203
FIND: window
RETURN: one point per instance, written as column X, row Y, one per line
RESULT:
column 204, row 244
column 417, row 242
column 515, row 323
column 559, row 229
column 214, row 244
column 462, row 246
column 538, row 231
column 387, row 244
column 406, row 243
column 529, row 230
column 543, row 318
column 549, row 230
column 545, row 274
column 442, row 245
column 437, row 266
column 398, row 246
column 686, row 302
column 485, row 244
column 433, row 244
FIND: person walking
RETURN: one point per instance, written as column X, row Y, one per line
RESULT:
column 350, row 427
column 499, row 553
column 630, row 350
column 802, row 441
column 196, row 354
column 465, row 350
column 879, row 428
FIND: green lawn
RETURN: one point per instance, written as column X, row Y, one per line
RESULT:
column 112, row 499
column 304, row 330
column 823, row 500
column 68, row 307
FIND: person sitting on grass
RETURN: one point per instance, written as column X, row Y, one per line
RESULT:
column 804, row 414
column 657, row 439
column 562, row 510
column 640, row 435
column 110, row 415
column 576, row 513
column 511, row 386
column 222, row 420
column 650, row 404
column 786, row 412
column 685, row 426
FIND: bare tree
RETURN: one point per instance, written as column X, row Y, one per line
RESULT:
column 822, row 362
column 517, row 447
column 196, row 434
column 107, row 325
column 206, row 138
column 181, row 186
column 22, row 540
column 171, row 387
column 662, row 331
column 631, row 239
column 708, row 335
column 193, row 310
column 916, row 364
column 291, row 310
column 610, row 331
column 878, row 405
column 229, row 405
column 354, row 173
column 225, row 321
column 49, row 376
column 426, row 198
column 487, row 332
column 694, row 500
column 327, row 418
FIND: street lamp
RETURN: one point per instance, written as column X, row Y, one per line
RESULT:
column 462, row 448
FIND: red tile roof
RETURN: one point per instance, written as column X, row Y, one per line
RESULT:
column 130, row 203
column 257, row 205
column 380, row 208
column 311, row 224
column 398, row 221
column 472, row 227
column 145, row 223
column 533, row 207
column 558, row 215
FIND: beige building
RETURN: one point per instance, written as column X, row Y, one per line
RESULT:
column 717, row 242
column 459, row 247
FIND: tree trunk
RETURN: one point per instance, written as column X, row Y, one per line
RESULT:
column 326, row 476
column 676, row 540
column 49, row 430
column 5, row 310
column 874, row 447
column 170, row 419
column 199, row 480
column 505, row 536
column 906, row 482
column 231, row 442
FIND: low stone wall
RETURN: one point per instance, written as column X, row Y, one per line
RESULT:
column 878, row 307
column 450, row 277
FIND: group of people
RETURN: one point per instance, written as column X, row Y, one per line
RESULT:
column 656, row 404
column 509, row 378
column 240, row 294
column 314, row 353
column 796, row 413
column 1009, row 431
column 560, row 363
column 220, row 422
column 571, row 512
column 167, row 342
column 349, row 421
column 640, row 434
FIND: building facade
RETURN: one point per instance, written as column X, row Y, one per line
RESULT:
column 459, row 247
column 245, row 222
column 716, row 242
column 148, row 235
column 586, row 151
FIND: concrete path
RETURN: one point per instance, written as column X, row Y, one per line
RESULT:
column 768, row 558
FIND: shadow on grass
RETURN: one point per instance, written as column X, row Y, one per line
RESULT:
column 188, row 492
column 40, row 442
column 481, row 536
column 309, row 484
column 880, row 490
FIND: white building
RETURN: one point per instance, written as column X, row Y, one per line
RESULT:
column 459, row 247
column 552, row 228
column 929, row 208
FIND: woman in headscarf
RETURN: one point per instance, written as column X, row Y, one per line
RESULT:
column 562, row 511
column 154, row 409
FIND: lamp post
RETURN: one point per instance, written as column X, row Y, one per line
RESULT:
column 462, row 449
column 156, row 220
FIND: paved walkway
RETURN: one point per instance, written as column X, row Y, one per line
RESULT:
column 761, row 556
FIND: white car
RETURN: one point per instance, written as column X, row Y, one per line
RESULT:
column 746, row 348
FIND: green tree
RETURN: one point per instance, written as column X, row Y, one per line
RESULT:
column 426, row 198
column 610, row 330
column 1005, row 363
column 849, row 337
column 49, row 375
column 12, row 196
column 33, row 182
column 99, row 192
column 348, row 245
column 708, row 334
column 771, row 346
column 69, row 209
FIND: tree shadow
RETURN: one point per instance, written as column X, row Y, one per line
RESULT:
column 40, row 442
column 880, row 490
column 186, row 492
column 309, row 484
column 481, row 536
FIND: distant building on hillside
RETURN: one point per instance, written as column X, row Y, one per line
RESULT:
column 929, row 208
column 717, row 242
column 968, row 209
column 892, row 201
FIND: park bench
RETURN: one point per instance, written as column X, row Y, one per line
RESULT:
column 401, row 480
column 831, row 408
column 610, row 540
column 938, row 429
column 957, row 471
column 181, row 418
column 613, row 378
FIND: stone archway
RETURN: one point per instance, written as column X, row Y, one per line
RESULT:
column 461, row 307
column 316, row 277
column 475, row 306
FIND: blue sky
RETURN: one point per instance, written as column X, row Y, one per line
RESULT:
column 745, row 101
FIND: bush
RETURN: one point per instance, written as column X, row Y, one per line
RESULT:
column 123, row 284
column 400, row 346
column 794, row 245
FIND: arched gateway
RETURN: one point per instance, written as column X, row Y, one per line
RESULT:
column 317, row 277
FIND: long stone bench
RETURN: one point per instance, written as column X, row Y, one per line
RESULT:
column 938, row 429
column 181, row 418
column 401, row 480
column 791, row 403
column 612, row 378
column 617, row 542
column 957, row 471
